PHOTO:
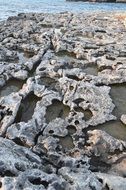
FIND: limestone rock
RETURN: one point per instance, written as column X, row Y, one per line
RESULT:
column 112, row 182
column 15, row 159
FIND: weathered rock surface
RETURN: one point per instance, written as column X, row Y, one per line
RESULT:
column 112, row 182
column 57, row 72
column 15, row 159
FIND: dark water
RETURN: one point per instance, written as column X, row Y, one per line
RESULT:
column 116, row 128
column 13, row 7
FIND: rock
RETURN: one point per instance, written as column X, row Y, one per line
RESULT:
column 123, row 119
column 112, row 182
column 23, row 133
column 118, row 167
column 34, row 180
column 102, row 144
column 20, row 75
column 15, row 159
column 57, row 73
column 81, row 179
column 8, row 109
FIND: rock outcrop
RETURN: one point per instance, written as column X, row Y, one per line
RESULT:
column 57, row 75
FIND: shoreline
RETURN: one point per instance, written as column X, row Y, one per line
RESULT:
column 72, row 12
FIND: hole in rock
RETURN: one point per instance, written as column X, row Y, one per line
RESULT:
column 48, row 82
column 73, row 77
column 24, row 56
column 110, row 57
column 56, row 110
column 91, row 70
column 66, row 143
column 99, row 84
column 100, row 180
column 42, row 69
column 100, row 69
column 85, row 33
column 66, row 53
column 71, row 88
column 28, row 54
column 38, row 181
column 97, row 165
column 18, row 141
column 76, row 122
column 19, row 166
column 7, row 173
column 26, row 108
column 81, row 145
column 51, row 131
column 12, row 85
column 87, row 113
column 64, row 65
column 71, row 129
column 100, row 30
column 79, row 100
column 48, row 25
column 118, row 95
column 70, row 120
column 33, row 70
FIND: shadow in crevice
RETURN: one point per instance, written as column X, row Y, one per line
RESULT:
column 38, row 181
column 97, row 165
column 66, row 53
column 87, row 113
column 26, row 108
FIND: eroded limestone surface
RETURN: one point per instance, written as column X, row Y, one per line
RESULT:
column 62, row 102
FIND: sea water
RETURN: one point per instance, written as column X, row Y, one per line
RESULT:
column 13, row 7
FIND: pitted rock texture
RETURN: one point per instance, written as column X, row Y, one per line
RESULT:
column 56, row 76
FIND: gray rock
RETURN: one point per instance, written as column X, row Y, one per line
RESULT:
column 80, row 179
column 112, row 182
column 15, row 159
column 65, row 63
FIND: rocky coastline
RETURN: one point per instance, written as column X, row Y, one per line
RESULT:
column 62, row 102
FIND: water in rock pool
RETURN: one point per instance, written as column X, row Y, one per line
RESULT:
column 55, row 110
column 11, row 86
column 66, row 142
column 118, row 95
column 13, row 7
column 116, row 128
